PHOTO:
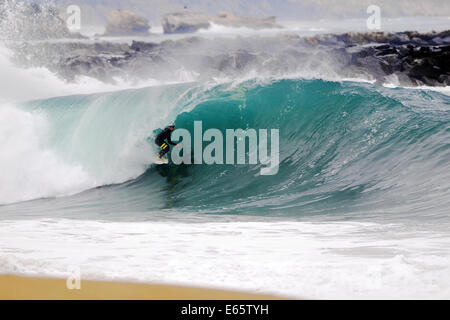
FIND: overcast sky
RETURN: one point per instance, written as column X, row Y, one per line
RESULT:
column 96, row 10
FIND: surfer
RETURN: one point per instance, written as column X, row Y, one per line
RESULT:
column 161, row 140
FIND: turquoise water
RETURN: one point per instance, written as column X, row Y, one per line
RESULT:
column 358, row 208
column 345, row 148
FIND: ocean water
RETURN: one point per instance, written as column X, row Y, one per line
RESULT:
column 358, row 209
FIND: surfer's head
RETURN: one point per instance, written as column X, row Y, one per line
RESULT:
column 172, row 127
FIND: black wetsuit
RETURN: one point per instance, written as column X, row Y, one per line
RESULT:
column 160, row 141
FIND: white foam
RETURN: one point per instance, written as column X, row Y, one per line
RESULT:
column 298, row 259
column 226, row 30
column 444, row 90
column 29, row 169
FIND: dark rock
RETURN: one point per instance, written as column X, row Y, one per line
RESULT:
column 141, row 46
column 187, row 21
column 383, row 57
column 123, row 23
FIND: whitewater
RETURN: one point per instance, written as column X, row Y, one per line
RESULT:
column 358, row 209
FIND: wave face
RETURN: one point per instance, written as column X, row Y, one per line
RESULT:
column 344, row 148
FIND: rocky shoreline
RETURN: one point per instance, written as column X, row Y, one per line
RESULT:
column 188, row 22
column 42, row 39
column 416, row 59
column 409, row 58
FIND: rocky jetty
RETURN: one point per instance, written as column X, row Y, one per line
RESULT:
column 126, row 23
column 413, row 58
column 185, row 22
column 405, row 58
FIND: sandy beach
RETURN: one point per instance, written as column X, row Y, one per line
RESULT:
column 27, row 288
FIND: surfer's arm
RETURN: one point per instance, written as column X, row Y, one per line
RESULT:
column 169, row 140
